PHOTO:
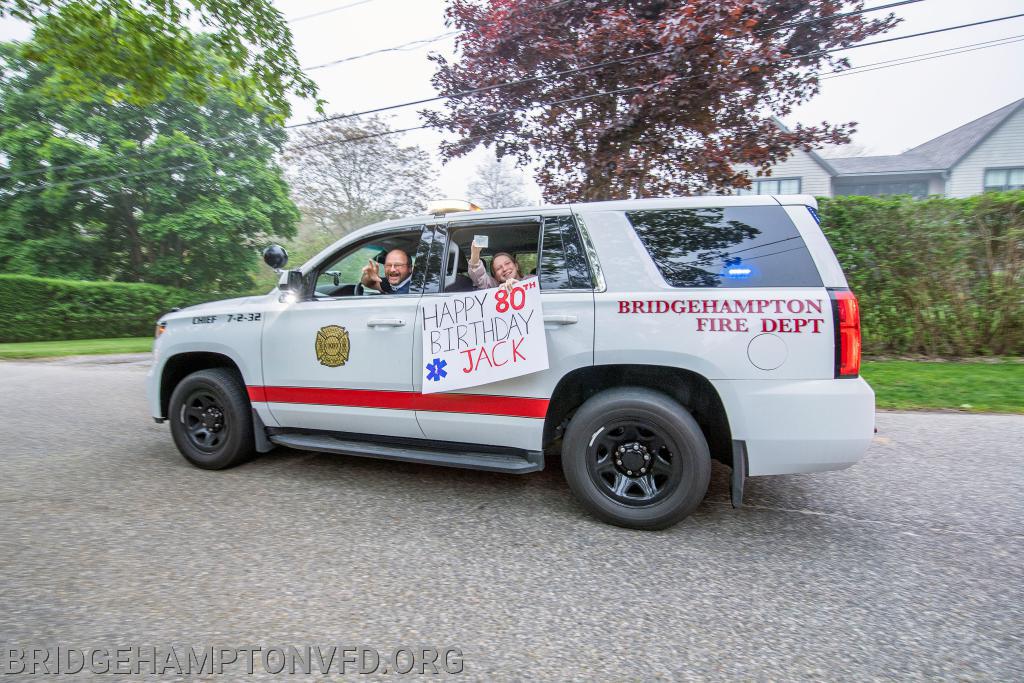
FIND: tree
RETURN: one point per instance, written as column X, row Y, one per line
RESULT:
column 133, row 50
column 638, row 98
column 497, row 185
column 172, row 193
column 347, row 173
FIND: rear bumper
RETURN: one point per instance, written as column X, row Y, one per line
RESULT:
column 800, row 425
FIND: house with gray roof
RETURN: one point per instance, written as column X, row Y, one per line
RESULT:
column 983, row 155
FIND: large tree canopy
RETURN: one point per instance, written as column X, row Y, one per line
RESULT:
column 172, row 193
column 705, row 79
column 132, row 50
column 348, row 173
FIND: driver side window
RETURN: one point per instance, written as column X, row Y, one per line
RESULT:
column 392, row 255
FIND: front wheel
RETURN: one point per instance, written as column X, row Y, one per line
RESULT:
column 211, row 419
column 636, row 458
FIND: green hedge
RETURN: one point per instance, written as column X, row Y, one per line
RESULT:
column 43, row 309
column 937, row 277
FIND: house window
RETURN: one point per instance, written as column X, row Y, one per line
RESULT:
column 1002, row 179
column 773, row 186
column 915, row 188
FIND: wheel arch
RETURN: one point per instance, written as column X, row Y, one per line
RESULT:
column 690, row 389
column 181, row 365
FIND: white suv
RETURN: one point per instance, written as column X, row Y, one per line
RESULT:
column 677, row 330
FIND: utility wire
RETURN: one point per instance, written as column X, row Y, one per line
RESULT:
column 578, row 98
column 327, row 11
column 830, row 74
column 834, row 74
column 923, row 57
column 508, row 84
column 240, row 136
column 623, row 60
column 575, row 70
column 404, row 47
column 425, row 41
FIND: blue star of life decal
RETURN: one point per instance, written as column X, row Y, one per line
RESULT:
column 435, row 370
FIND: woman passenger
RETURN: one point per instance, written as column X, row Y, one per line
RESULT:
column 504, row 267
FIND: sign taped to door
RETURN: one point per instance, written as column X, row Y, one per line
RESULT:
column 484, row 336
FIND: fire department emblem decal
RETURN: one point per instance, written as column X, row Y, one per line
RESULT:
column 332, row 346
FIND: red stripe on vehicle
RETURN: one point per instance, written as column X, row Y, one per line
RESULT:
column 510, row 406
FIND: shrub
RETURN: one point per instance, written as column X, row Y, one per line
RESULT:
column 938, row 277
column 43, row 309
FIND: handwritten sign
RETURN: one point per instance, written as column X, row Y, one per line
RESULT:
column 479, row 337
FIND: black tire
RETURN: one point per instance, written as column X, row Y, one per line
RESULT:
column 671, row 480
column 211, row 419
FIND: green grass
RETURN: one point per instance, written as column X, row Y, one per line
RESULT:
column 76, row 347
column 996, row 386
column 978, row 387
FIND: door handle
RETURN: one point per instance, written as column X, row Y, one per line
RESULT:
column 560, row 319
column 385, row 322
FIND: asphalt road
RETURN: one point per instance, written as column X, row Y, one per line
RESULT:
column 908, row 565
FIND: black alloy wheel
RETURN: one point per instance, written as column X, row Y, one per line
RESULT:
column 211, row 419
column 633, row 462
column 636, row 458
column 205, row 421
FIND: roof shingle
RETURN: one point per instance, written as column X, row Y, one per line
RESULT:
column 939, row 153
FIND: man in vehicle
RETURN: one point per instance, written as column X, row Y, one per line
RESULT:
column 397, row 272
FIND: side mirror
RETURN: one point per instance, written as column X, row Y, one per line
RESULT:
column 290, row 280
column 275, row 256
column 290, row 285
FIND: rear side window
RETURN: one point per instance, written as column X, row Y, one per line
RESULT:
column 733, row 246
column 563, row 264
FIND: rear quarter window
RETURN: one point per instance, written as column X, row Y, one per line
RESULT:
column 733, row 246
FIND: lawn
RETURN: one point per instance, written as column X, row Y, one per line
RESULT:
column 76, row 347
column 979, row 387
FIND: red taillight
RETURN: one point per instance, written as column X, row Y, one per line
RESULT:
column 847, row 314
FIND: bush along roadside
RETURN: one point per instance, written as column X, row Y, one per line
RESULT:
column 936, row 277
column 44, row 309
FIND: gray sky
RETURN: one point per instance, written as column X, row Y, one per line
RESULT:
column 895, row 108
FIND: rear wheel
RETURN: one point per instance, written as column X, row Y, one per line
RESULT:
column 636, row 458
column 211, row 419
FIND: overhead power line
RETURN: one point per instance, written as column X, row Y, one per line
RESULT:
column 397, row 48
column 412, row 44
column 549, row 76
column 426, row 41
column 620, row 91
column 923, row 57
column 327, row 11
column 241, row 136
column 623, row 60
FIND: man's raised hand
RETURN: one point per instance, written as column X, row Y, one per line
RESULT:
column 371, row 276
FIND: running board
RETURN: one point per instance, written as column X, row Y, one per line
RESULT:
column 519, row 462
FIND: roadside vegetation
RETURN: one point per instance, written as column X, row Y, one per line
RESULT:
column 988, row 386
column 75, row 347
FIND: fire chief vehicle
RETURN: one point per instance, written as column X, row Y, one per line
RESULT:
column 677, row 331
